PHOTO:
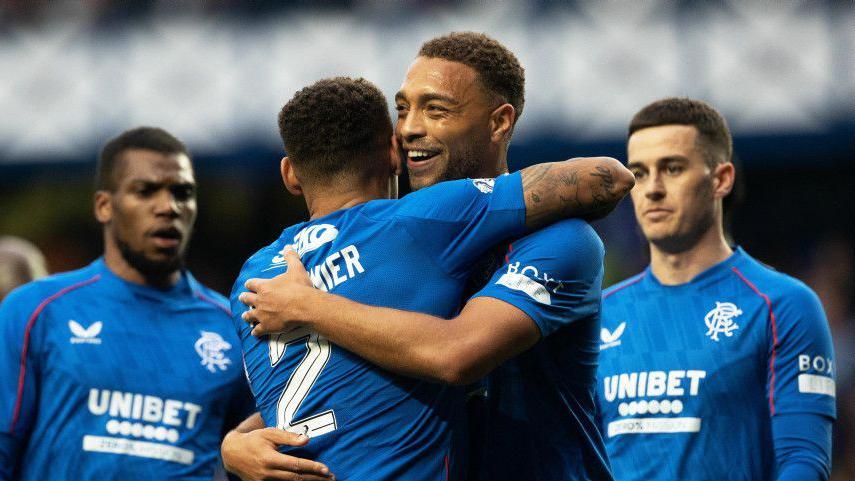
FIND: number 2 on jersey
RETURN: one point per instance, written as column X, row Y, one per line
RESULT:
column 318, row 351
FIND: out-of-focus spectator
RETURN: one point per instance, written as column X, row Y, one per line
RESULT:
column 20, row 262
column 831, row 276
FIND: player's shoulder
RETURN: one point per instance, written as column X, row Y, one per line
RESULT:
column 618, row 292
column 267, row 261
column 569, row 248
column 449, row 199
column 570, row 237
column 27, row 298
column 208, row 297
column 767, row 281
column 55, row 284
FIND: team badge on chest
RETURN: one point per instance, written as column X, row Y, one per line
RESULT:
column 210, row 348
column 720, row 320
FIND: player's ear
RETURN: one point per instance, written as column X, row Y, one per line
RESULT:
column 103, row 206
column 395, row 156
column 502, row 123
column 724, row 175
column 289, row 177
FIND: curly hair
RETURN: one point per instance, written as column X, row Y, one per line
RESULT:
column 335, row 126
column 497, row 67
column 713, row 134
column 145, row 138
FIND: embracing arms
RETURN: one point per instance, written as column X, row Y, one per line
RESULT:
column 586, row 188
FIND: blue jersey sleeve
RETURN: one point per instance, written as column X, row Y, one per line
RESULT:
column 460, row 220
column 18, row 365
column 801, row 369
column 802, row 447
column 554, row 275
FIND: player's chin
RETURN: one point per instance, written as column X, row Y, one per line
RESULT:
column 421, row 179
column 166, row 259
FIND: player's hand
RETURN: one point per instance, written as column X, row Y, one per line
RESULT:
column 253, row 457
column 275, row 304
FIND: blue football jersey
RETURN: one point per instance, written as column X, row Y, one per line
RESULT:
column 413, row 254
column 538, row 420
column 691, row 374
column 104, row 379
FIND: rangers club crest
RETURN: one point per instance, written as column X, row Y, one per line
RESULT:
column 720, row 320
column 210, row 348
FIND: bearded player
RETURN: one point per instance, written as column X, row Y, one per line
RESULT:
column 128, row 368
column 534, row 325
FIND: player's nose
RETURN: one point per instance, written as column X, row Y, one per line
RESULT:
column 654, row 188
column 411, row 126
column 165, row 203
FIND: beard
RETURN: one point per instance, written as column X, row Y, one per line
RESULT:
column 464, row 163
column 150, row 269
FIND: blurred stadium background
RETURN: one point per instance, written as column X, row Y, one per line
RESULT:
column 215, row 73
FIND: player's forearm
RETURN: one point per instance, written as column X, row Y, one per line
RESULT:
column 408, row 343
column 802, row 443
column 587, row 188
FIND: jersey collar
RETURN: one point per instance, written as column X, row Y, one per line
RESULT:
column 709, row 275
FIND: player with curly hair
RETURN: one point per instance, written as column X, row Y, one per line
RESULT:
column 532, row 326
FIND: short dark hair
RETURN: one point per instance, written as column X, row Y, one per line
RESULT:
column 713, row 134
column 146, row 138
column 334, row 126
column 497, row 67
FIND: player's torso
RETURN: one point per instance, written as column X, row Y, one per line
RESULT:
column 364, row 421
column 682, row 381
column 130, row 387
column 540, row 404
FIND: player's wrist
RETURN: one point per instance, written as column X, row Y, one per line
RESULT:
column 306, row 311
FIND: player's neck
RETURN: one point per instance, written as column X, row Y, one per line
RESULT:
column 672, row 268
column 322, row 202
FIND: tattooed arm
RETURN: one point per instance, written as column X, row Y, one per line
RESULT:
column 588, row 188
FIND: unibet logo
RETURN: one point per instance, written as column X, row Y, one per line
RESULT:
column 652, row 384
column 152, row 409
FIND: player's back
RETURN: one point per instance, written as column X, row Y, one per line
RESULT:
column 413, row 254
column 697, row 370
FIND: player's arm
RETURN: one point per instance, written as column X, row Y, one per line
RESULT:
column 18, row 387
column 249, row 451
column 802, row 446
column 455, row 351
column 489, row 330
column 800, row 385
column 587, row 188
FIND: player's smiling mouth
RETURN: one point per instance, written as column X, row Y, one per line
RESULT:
column 420, row 158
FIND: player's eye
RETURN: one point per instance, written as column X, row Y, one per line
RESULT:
column 437, row 109
column 674, row 169
column 145, row 190
column 638, row 173
column 184, row 192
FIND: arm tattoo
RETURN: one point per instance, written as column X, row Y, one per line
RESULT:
column 585, row 189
